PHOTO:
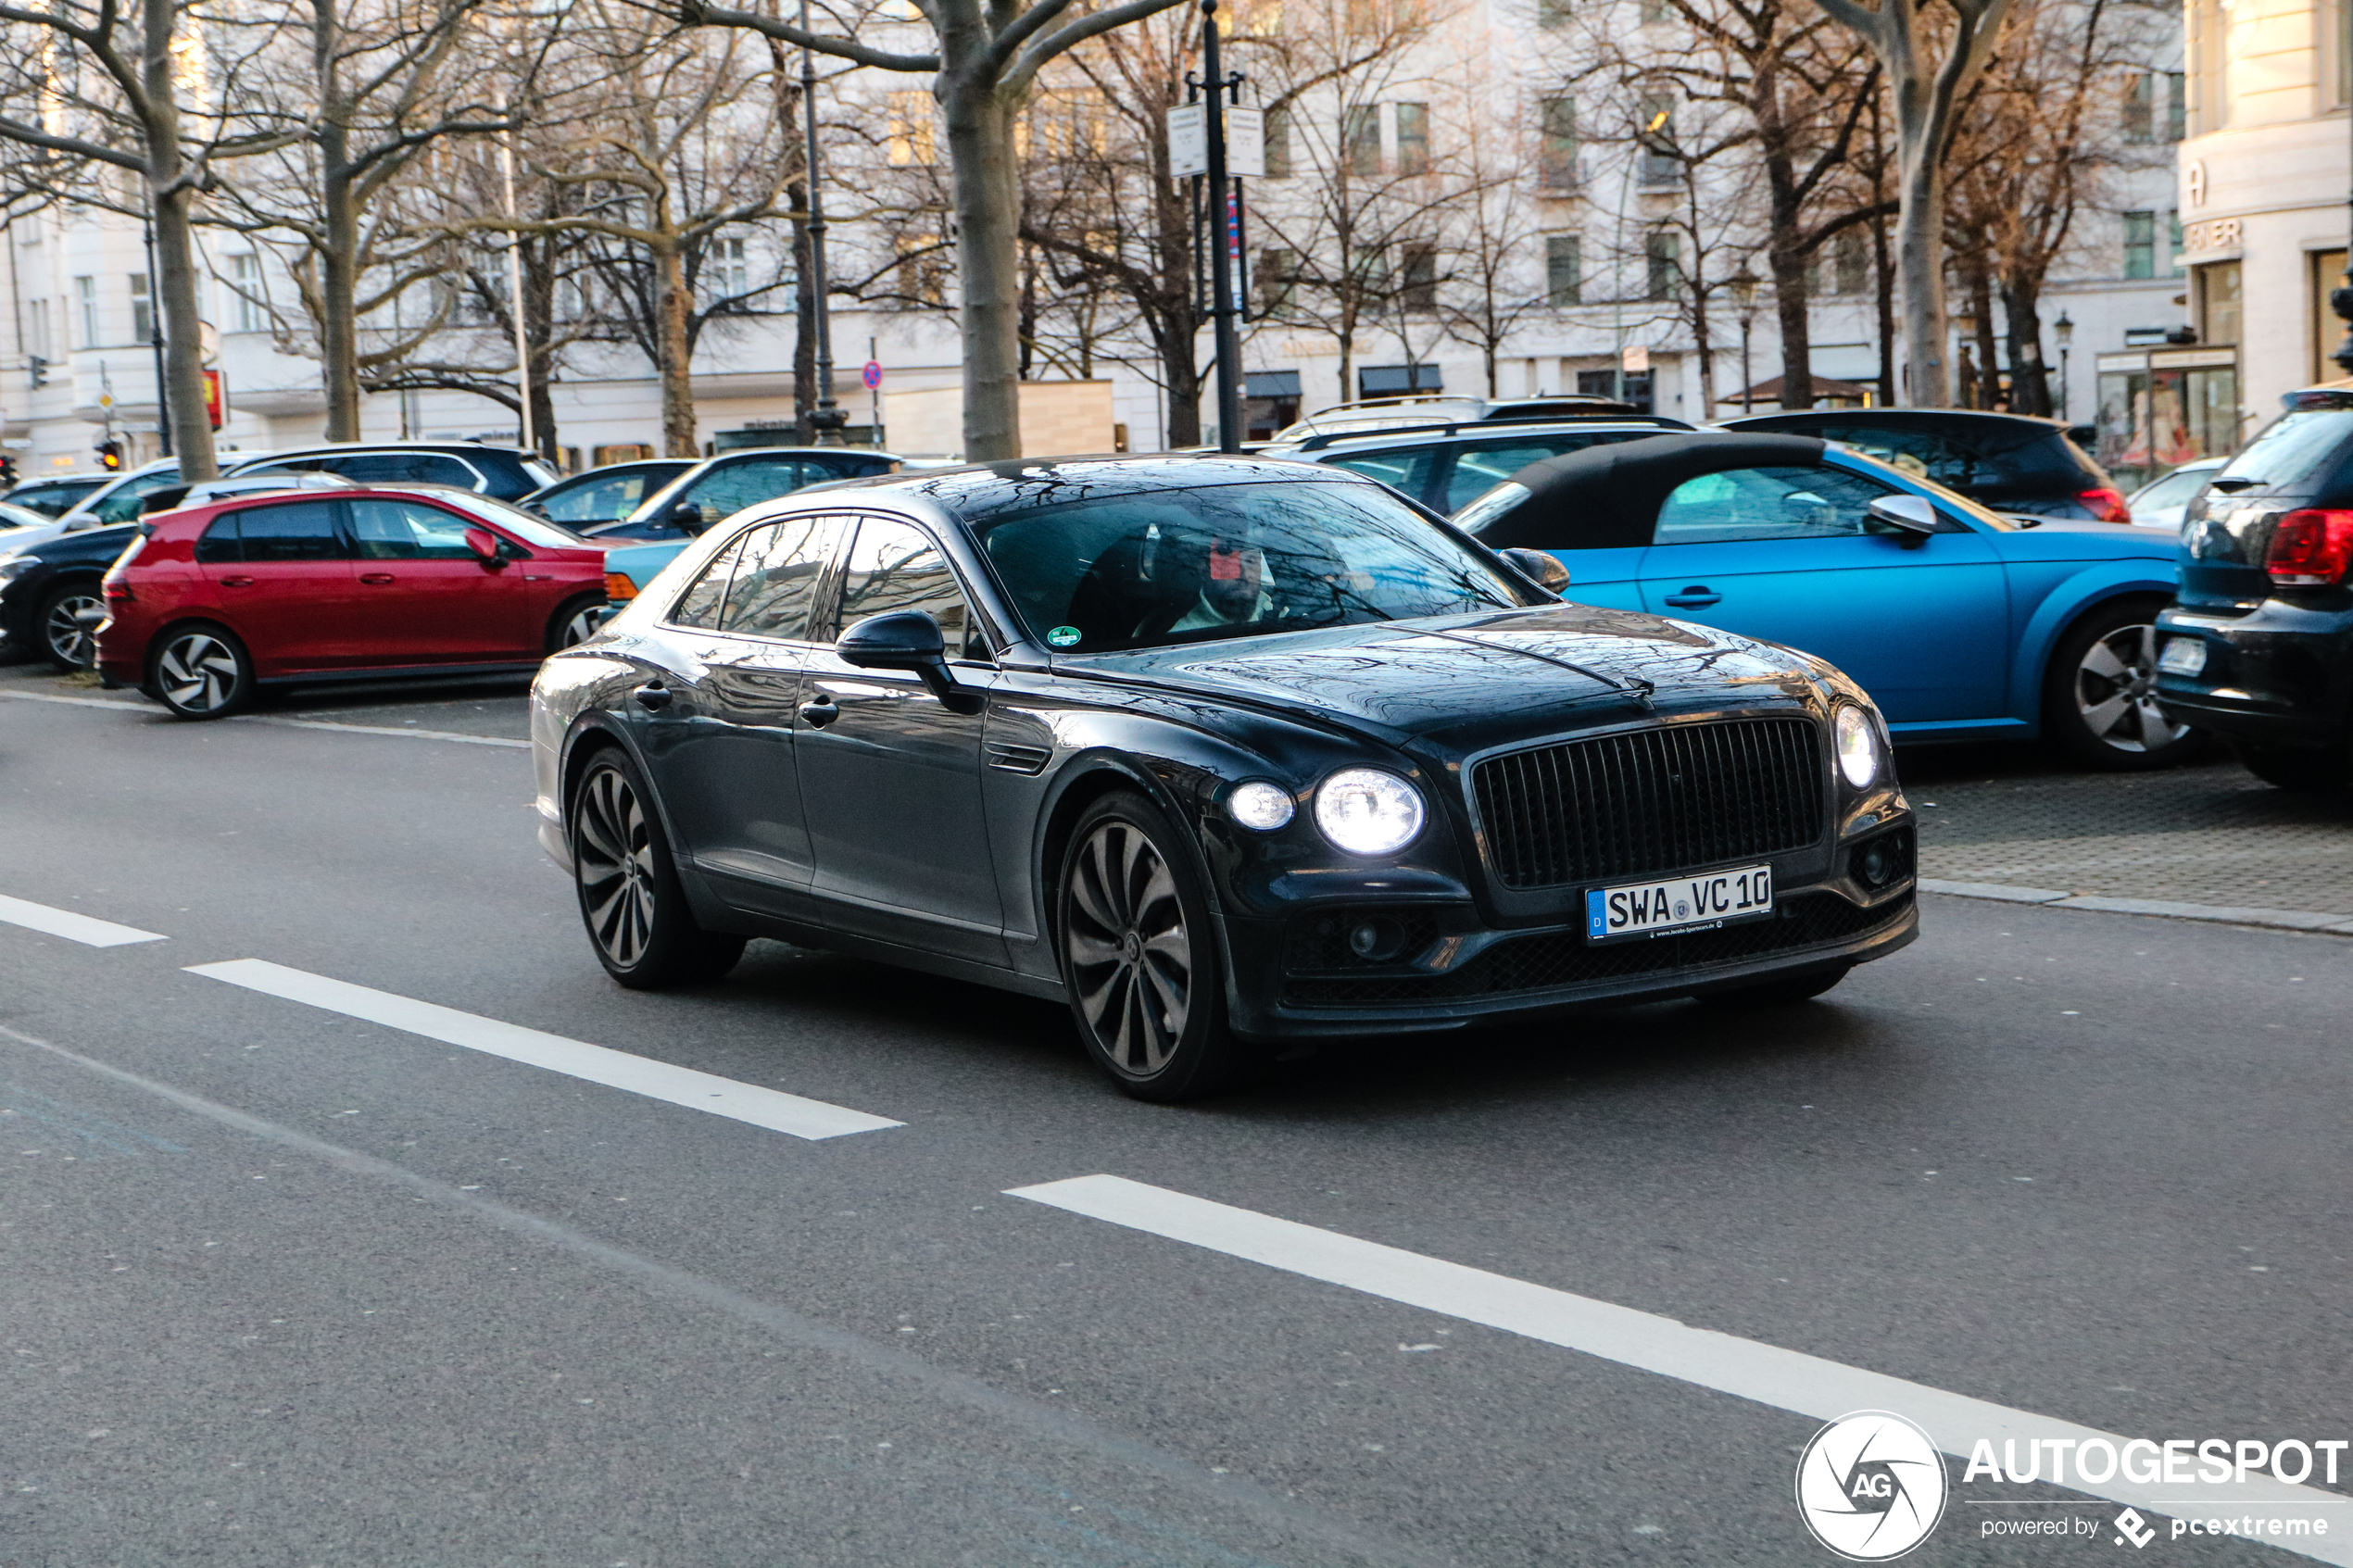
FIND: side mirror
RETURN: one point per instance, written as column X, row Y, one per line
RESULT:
column 1909, row 515
column 484, row 545
column 907, row 639
column 686, row 518
column 1542, row 566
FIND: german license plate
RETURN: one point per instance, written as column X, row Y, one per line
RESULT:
column 2182, row 656
column 1679, row 903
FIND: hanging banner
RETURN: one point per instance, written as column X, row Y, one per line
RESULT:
column 1246, row 143
column 1189, row 140
column 215, row 398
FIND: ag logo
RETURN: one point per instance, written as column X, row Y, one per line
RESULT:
column 1870, row 1486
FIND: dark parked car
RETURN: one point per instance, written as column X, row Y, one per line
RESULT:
column 55, row 498
column 2009, row 462
column 50, row 605
column 1447, row 467
column 1431, row 408
column 507, row 472
column 2259, row 647
column 721, row 486
column 605, row 495
column 1219, row 751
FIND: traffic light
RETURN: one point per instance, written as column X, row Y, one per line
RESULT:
column 40, row 368
column 110, row 455
column 7, row 472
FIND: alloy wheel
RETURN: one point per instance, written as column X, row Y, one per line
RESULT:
column 614, row 851
column 197, row 672
column 1131, row 958
column 579, row 625
column 71, row 629
column 2116, row 692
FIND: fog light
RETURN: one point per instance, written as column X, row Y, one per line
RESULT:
column 1376, row 940
column 1875, row 864
column 1259, row 806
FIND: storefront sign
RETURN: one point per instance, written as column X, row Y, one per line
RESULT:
column 2214, row 233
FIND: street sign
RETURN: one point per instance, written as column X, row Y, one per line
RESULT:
column 872, row 374
column 215, row 398
column 1246, row 143
column 1189, row 140
column 1636, row 359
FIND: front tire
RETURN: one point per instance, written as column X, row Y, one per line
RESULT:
column 2304, row 773
column 2099, row 699
column 201, row 672
column 629, row 897
column 67, row 624
column 1140, row 956
column 576, row 622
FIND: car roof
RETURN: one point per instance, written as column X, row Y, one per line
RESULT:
column 1420, row 435
column 1621, row 485
column 1892, row 418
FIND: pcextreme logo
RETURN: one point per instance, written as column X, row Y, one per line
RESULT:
column 1870, row 1486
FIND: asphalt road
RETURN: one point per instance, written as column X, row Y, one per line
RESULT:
column 283, row 1286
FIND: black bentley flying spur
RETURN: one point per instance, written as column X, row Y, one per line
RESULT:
column 1221, row 751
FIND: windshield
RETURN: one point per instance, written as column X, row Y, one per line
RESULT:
column 2291, row 446
column 528, row 527
column 1160, row 567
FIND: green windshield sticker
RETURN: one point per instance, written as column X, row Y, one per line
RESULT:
column 1064, row 636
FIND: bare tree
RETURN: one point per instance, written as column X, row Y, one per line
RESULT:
column 984, row 56
column 1492, row 283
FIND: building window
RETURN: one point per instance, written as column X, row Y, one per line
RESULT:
column 1652, row 11
column 1419, row 289
column 2174, row 241
column 907, row 139
column 1361, row 137
column 2220, row 310
column 142, row 310
column 1278, row 279
column 85, row 305
column 1564, row 269
column 1277, row 125
column 1850, row 261
column 1663, row 261
column 1660, row 163
column 2140, row 245
column 37, row 310
column 244, row 293
column 2140, row 106
column 2177, row 104
column 2327, row 271
column 1556, row 145
column 923, row 269
column 728, row 275
column 1413, row 138
column 1552, row 14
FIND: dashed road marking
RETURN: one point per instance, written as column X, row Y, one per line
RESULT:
column 771, row 1109
column 86, row 929
column 1788, row 1380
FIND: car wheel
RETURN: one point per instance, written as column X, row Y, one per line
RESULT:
column 1777, row 993
column 201, row 672
column 1139, row 957
column 575, row 622
column 2099, row 703
column 67, row 625
column 630, row 897
column 2307, row 772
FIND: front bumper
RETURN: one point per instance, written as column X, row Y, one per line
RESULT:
column 1292, row 980
column 2279, row 675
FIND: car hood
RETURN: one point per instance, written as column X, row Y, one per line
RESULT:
column 1462, row 682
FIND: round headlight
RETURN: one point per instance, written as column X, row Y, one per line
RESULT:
column 1858, row 748
column 1366, row 811
column 1259, row 806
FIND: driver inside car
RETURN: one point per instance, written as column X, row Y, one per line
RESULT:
column 1234, row 591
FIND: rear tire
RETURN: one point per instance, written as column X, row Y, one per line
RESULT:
column 1777, row 993
column 1140, row 956
column 2305, row 773
column 67, row 625
column 631, row 900
column 201, row 672
column 2099, row 701
column 576, row 622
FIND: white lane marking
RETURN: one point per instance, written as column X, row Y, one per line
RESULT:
column 75, row 701
column 771, row 1109
column 72, row 927
column 389, row 729
column 1788, row 1380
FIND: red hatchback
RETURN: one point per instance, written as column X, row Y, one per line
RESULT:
column 219, row 600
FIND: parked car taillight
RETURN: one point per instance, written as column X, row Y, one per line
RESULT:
column 2108, row 506
column 115, row 588
column 2311, row 548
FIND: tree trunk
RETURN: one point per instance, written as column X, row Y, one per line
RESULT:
column 2030, row 377
column 1989, row 370
column 539, row 330
column 987, row 206
column 1884, row 286
column 1919, row 244
column 1707, row 356
column 1791, row 298
column 338, row 287
column 173, row 204
column 675, row 363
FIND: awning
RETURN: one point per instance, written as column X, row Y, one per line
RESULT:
column 1270, row 383
column 1391, row 380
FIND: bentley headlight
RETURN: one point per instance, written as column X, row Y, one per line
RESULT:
column 1858, row 748
column 1366, row 811
column 1259, row 806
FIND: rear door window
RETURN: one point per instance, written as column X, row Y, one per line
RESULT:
column 294, row 531
column 702, row 605
column 778, row 576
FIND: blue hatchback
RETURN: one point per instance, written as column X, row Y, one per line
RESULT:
column 1962, row 623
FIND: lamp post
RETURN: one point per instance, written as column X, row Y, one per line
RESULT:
column 827, row 418
column 2063, row 330
column 1745, row 300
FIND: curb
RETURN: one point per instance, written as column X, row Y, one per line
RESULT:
column 2219, row 914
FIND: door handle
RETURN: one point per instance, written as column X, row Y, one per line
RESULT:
column 236, row 582
column 820, row 710
column 653, row 697
column 375, row 577
column 1698, row 596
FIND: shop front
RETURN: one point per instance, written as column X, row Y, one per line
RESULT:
column 2162, row 408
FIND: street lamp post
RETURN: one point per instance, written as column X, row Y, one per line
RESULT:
column 2064, row 330
column 827, row 418
column 1744, row 300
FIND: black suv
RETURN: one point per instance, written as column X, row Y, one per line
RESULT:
column 1447, row 466
column 2010, row 462
column 50, row 603
column 2259, row 646
column 507, row 472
